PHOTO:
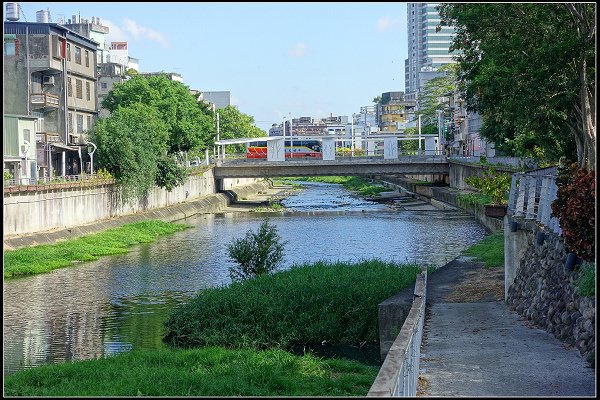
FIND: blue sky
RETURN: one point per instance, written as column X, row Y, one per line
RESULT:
column 307, row 59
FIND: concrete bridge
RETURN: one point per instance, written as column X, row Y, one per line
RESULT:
column 387, row 161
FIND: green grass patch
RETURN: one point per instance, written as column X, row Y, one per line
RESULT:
column 46, row 257
column 211, row 371
column 586, row 283
column 309, row 303
column 472, row 199
column 356, row 184
column 490, row 250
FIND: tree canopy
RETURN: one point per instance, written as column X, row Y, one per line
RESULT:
column 130, row 144
column 189, row 123
column 528, row 69
column 234, row 124
column 434, row 96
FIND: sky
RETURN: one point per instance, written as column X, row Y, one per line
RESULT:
column 313, row 59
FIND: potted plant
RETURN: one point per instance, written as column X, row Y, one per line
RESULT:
column 496, row 186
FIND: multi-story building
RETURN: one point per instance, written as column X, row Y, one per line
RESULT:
column 392, row 111
column 118, row 52
column 109, row 74
column 428, row 48
column 307, row 126
column 50, row 73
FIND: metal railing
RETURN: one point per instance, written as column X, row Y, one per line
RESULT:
column 57, row 180
column 339, row 154
column 399, row 374
column 531, row 196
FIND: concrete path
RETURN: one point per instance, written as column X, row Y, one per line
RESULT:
column 475, row 346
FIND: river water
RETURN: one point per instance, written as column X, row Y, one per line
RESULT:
column 118, row 303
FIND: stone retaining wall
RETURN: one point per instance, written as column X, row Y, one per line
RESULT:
column 543, row 291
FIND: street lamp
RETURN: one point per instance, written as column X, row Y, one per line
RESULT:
column 291, row 138
column 26, row 146
column 91, row 153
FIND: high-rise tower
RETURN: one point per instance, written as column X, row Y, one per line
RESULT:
column 427, row 49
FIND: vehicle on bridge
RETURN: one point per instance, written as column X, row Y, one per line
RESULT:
column 293, row 149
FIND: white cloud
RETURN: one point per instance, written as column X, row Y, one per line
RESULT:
column 132, row 30
column 385, row 23
column 140, row 32
column 298, row 50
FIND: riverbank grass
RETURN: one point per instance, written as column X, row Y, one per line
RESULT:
column 46, row 257
column 324, row 302
column 211, row 371
column 356, row 184
column 490, row 250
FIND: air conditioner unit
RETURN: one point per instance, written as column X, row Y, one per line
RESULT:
column 48, row 80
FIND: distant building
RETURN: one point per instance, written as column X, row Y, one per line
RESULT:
column 392, row 111
column 428, row 48
column 307, row 126
column 220, row 99
column 109, row 74
column 50, row 73
column 173, row 76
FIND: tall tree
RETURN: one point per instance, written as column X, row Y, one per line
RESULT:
column 234, row 124
column 130, row 144
column 528, row 69
column 189, row 123
column 436, row 91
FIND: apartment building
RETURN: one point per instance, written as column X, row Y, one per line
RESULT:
column 50, row 73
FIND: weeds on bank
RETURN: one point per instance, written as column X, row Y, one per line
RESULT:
column 356, row 184
column 43, row 258
column 211, row 371
column 332, row 302
column 490, row 250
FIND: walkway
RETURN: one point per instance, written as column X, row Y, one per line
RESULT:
column 473, row 345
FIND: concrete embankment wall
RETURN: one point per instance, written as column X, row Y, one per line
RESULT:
column 540, row 288
column 54, row 207
column 435, row 194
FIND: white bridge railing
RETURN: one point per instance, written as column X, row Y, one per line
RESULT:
column 531, row 196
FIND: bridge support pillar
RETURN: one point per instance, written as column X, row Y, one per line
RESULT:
column 276, row 150
column 328, row 148
column 390, row 148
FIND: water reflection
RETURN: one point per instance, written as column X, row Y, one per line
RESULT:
column 118, row 303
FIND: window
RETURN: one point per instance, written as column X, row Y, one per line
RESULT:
column 11, row 47
column 87, row 59
column 68, row 51
column 104, row 85
column 69, row 87
column 87, row 91
column 78, row 55
column 89, row 122
column 78, row 88
column 79, row 123
column 70, row 123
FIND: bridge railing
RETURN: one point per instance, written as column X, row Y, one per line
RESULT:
column 531, row 196
column 339, row 154
column 399, row 374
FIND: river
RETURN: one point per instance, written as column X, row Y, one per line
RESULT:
column 118, row 303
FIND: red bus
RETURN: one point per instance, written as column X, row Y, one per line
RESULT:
column 300, row 149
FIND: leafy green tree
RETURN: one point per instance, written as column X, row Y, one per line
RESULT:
column 529, row 70
column 130, row 144
column 169, row 173
column 436, row 92
column 234, row 124
column 189, row 123
column 256, row 253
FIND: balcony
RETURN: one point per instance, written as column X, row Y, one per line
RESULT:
column 44, row 101
column 47, row 137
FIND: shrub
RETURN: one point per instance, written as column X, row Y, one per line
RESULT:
column 586, row 283
column 256, row 253
column 575, row 209
column 310, row 303
column 493, row 184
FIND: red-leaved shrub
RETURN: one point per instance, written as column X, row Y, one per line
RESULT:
column 575, row 209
